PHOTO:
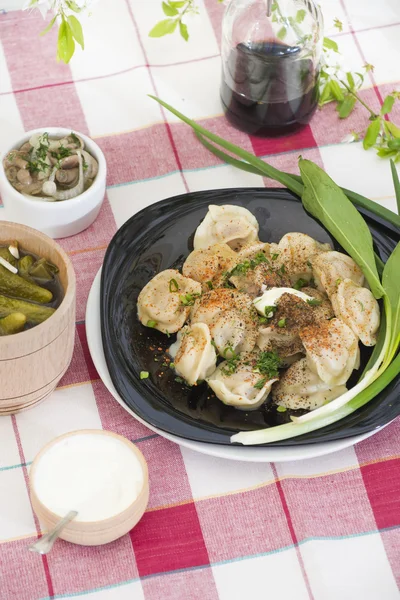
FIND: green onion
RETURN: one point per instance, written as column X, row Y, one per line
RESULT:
column 282, row 322
column 144, row 374
column 300, row 283
column 314, row 302
column 281, row 409
column 275, row 256
column 173, row 285
column 269, row 311
column 151, row 323
column 188, row 299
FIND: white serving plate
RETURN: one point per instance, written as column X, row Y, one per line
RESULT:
column 240, row 453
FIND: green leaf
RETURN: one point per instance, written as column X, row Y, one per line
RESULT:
column 394, row 144
column 326, row 95
column 184, row 31
column 337, row 91
column 65, row 44
column 386, row 153
column 392, row 129
column 372, row 134
column 387, row 105
column 347, row 106
column 73, row 6
column 169, row 10
column 396, row 184
column 176, row 4
column 49, row 26
column 300, row 15
column 282, row 33
column 76, row 29
column 330, row 45
column 350, row 81
column 338, row 24
column 326, row 201
column 163, row 28
column 391, row 284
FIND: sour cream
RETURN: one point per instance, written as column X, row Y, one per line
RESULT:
column 97, row 475
column 270, row 298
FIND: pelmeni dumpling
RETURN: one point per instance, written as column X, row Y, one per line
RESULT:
column 330, row 268
column 193, row 353
column 322, row 309
column 160, row 304
column 332, row 351
column 356, row 306
column 300, row 388
column 237, row 389
column 212, row 304
column 232, row 224
column 294, row 252
column 205, row 263
column 233, row 333
column 251, row 250
column 281, row 340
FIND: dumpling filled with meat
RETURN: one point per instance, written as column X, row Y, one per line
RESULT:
column 164, row 301
column 301, row 388
column 356, row 306
column 331, row 268
column 228, row 223
column 204, row 264
column 293, row 254
column 193, row 353
column 332, row 351
column 244, row 388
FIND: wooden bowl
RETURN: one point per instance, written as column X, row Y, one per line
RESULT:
column 92, row 533
column 32, row 362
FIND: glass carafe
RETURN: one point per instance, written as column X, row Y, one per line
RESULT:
column 271, row 52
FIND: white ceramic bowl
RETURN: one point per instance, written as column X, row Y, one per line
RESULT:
column 55, row 219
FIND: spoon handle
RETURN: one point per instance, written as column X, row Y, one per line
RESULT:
column 45, row 543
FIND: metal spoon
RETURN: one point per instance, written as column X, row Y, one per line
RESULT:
column 45, row 543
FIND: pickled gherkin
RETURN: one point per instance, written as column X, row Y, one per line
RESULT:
column 13, row 323
column 34, row 313
column 24, row 264
column 30, row 289
column 17, row 287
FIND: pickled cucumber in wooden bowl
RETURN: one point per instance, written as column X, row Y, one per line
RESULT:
column 30, row 289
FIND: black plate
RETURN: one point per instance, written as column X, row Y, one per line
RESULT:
column 160, row 237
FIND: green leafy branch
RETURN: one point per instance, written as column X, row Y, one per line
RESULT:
column 175, row 10
column 70, row 29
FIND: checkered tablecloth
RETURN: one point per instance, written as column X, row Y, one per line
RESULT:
column 322, row 529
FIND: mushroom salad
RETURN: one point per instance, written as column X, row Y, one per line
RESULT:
column 51, row 169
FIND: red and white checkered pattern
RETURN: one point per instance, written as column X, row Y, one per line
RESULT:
column 320, row 529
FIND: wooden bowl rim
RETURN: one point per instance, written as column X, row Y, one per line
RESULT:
column 69, row 294
column 106, row 523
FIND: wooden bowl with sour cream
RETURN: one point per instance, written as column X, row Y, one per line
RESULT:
column 101, row 475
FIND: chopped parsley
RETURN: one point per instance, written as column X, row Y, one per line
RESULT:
column 173, row 285
column 209, row 284
column 314, row 302
column 262, row 319
column 275, row 256
column 61, row 153
column 144, row 374
column 282, row 270
column 151, row 323
column 310, row 266
column 74, row 138
column 179, row 380
column 268, row 364
column 260, row 383
column 188, row 299
column 282, row 322
column 300, row 283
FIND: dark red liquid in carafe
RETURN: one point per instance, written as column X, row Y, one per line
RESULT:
column 267, row 89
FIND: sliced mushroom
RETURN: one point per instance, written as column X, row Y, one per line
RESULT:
column 25, row 147
column 70, row 162
column 11, row 174
column 32, row 189
column 24, row 177
column 76, row 190
column 68, row 176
